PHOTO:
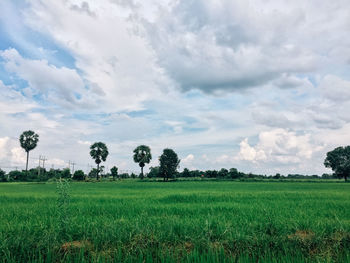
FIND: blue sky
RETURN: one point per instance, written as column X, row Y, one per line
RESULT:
column 262, row 86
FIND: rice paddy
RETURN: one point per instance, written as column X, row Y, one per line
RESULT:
column 193, row 221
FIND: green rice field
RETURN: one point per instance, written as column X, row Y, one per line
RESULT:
column 193, row 221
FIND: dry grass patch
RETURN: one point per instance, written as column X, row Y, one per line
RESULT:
column 76, row 246
column 303, row 235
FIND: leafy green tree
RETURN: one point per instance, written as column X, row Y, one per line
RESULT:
column 153, row 172
column 114, row 172
column 79, row 175
column 169, row 162
column 339, row 161
column 28, row 141
column 142, row 155
column 99, row 153
column 93, row 173
column 186, row 173
column 17, row 175
column 223, row 173
column 65, row 173
column 3, row 177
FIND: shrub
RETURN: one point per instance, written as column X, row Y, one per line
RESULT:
column 17, row 175
column 79, row 175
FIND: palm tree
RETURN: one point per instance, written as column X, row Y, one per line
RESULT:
column 142, row 155
column 99, row 152
column 28, row 141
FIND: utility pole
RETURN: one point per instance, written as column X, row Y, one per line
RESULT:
column 44, row 159
column 39, row 165
column 73, row 163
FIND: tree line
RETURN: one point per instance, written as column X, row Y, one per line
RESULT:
column 338, row 160
column 40, row 174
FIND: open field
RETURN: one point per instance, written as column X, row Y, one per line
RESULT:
column 175, row 222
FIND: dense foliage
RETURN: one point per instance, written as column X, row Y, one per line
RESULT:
column 142, row 155
column 168, row 164
column 339, row 161
column 28, row 141
column 99, row 152
column 42, row 175
column 114, row 172
column 79, row 175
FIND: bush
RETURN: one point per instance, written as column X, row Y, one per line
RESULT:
column 17, row 175
column 65, row 173
column 79, row 175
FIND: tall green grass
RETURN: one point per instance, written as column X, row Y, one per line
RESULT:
column 132, row 221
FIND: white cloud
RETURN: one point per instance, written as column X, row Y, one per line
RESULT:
column 188, row 161
column 58, row 85
column 18, row 156
column 335, row 88
column 11, row 154
column 84, row 142
column 279, row 146
column 3, row 147
column 110, row 52
column 57, row 163
column 248, row 153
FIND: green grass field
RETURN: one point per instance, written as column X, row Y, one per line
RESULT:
column 134, row 221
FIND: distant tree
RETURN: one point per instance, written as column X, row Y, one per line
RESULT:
column 17, row 175
column 65, row 173
column 233, row 173
column 196, row 173
column 28, row 141
column 124, row 175
column 223, row 173
column 339, row 161
column 99, row 153
column 186, row 173
column 79, row 175
column 3, row 177
column 114, row 172
column 277, row 176
column 93, row 173
column 153, row 172
column 142, row 155
column 211, row 173
column 169, row 162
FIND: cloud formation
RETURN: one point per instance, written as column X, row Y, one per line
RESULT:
column 224, row 83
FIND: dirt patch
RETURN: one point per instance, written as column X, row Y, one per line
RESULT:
column 303, row 235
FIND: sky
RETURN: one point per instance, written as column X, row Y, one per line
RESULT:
column 262, row 86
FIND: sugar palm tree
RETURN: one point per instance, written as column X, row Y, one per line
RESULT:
column 99, row 152
column 28, row 141
column 142, row 155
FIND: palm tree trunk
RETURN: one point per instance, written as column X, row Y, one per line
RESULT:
column 27, row 163
column 98, row 172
